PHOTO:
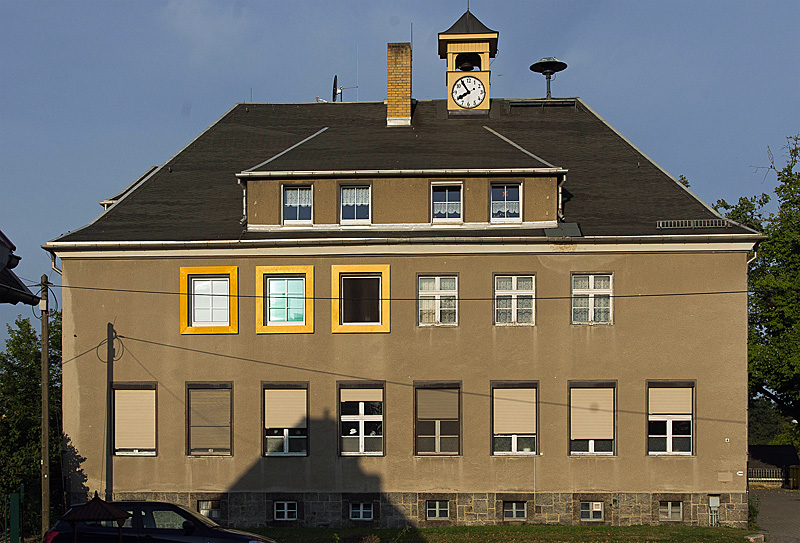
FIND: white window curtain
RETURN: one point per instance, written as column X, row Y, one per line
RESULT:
column 355, row 196
column 298, row 197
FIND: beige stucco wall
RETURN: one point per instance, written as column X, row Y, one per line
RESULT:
column 696, row 337
column 401, row 200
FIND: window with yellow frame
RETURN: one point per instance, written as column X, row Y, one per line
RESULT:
column 209, row 300
column 360, row 297
column 284, row 299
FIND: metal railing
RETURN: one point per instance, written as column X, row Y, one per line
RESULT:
column 770, row 476
column 692, row 223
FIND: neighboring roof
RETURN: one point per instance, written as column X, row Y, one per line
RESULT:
column 468, row 24
column 772, row 456
column 612, row 189
column 12, row 290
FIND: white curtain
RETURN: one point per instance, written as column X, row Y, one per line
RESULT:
column 358, row 196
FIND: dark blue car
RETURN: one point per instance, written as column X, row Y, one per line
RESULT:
column 151, row 522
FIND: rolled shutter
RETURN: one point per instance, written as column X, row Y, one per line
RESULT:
column 135, row 419
column 592, row 413
column 515, row 411
column 361, row 394
column 437, row 403
column 285, row 408
column 210, row 419
column 670, row 400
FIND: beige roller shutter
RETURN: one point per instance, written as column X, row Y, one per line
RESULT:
column 135, row 419
column 515, row 411
column 437, row 403
column 210, row 418
column 670, row 401
column 285, row 407
column 592, row 413
column 362, row 394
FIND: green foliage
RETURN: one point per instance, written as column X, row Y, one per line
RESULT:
column 683, row 181
column 774, row 283
column 753, row 506
column 20, row 416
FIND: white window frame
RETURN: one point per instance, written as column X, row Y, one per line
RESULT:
column 666, row 509
column 343, row 301
column 590, row 294
column 505, row 219
column 514, row 446
column 222, row 300
column 451, row 220
column 514, row 509
column 669, row 435
column 437, row 295
column 286, row 296
column 361, row 418
column 296, row 222
column 368, row 220
column 514, row 293
column 593, row 507
column 439, row 508
column 361, row 511
column 207, row 509
column 591, row 447
column 284, row 510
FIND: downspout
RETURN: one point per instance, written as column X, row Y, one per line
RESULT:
column 243, row 184
column 560, row 211
column 53, row 263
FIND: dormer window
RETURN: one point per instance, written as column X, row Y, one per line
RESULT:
column 506, row 202
column 446, row 203
column 297, row 204
column 355, row 205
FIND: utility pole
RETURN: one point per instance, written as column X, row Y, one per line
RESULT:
column 45, row 409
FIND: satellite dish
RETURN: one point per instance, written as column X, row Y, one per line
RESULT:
column 333, row 98
column 547, row 67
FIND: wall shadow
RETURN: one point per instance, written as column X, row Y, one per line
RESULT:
column 74, row 479
column 323, row 484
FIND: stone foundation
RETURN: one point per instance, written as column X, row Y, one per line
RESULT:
column 399, row 509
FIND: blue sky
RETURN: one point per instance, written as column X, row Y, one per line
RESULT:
column 92, row 93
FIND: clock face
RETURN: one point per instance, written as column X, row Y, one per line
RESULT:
column 468, row 92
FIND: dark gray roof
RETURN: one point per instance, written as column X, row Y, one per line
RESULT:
column 12, row 289
column 612, row 189
column 468, row 24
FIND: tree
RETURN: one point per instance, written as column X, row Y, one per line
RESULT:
column 20, row 418
column 774, row 284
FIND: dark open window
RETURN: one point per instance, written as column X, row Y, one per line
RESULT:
column 360, row 299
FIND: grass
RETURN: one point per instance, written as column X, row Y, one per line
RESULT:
column 510, row 534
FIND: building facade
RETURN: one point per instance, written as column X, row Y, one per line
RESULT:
column 464, row 311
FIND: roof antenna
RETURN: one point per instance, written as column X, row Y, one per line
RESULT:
column 547, row 67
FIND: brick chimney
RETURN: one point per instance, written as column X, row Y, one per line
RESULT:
column 398, row 104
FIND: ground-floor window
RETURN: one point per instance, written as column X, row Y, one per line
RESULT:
column 514, row 511
column 670, row 510
column 360, row 510
column 592, row 511
column 285, row 510
column 209, row 508
column 438, row 509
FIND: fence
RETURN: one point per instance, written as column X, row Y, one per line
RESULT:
column 772, row 477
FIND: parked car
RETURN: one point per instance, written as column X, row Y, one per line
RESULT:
column 151, row 522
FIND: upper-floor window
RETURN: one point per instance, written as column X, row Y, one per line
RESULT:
column 446, row 203
column 286, row 421
column 591, row 298
column 513, row 300
column 355, row 205
column 209, row 301
column 506, row 202
column 669, row 419
column 438, row 300
column 297, row 204
column 284, row 299
column 361, row 421
column 360, row 298
column 591, row 412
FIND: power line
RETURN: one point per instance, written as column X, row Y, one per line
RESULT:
column 416, row 298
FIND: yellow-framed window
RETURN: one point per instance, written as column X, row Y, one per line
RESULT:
column 209, row 300
column 360, row 298
column 284, row 299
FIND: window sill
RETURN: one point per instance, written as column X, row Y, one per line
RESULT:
column 226, row 455
column 346, row 455
column 668, row 454
column 438, row 325
column 437, row 455
column 142, row 453
column 592, row 323
column 514, row 454
column 591, row 454
column 515, row 324
column 284, row 455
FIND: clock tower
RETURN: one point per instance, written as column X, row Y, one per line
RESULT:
column 467, row 46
